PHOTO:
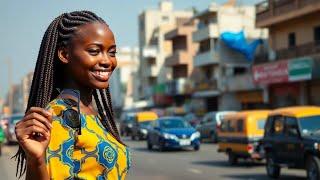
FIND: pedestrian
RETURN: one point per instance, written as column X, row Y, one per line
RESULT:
column 69, row 131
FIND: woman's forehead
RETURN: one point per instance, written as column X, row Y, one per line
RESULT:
column 92, row 32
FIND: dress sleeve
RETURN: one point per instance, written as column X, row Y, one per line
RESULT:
column 59, row 154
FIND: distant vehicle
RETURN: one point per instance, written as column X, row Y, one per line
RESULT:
column 210, row 124
column 126, row 123
column 292, row 139
column 141, row 123
column 240, row 134
column 172, row 132
column 10, row 127
column 2, row 139
column 193, row 119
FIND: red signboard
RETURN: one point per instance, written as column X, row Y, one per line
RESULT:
column 276, row 72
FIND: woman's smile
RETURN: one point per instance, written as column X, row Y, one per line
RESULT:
column 101, row 75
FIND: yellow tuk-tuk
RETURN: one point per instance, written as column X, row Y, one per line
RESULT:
column 240, row 134
column 141, row 123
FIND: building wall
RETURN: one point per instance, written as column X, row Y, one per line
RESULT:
column 302, row 26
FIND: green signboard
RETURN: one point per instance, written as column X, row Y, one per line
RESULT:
column 300, row 69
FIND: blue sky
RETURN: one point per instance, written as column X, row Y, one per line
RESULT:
column 23, row 24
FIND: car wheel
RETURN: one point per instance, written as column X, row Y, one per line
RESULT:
column 232, row 158
column 196, row 147
column 161, row 147
column 149, row 145
column 133, row 137
column 273, row 170
column 313, row 168
column 214, row 137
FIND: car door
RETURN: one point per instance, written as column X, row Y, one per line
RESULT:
column 278, row 138
column 294, row 145
column 204, row 126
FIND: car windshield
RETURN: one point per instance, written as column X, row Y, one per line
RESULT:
column 174, row 123
column 310, row 125
column 145, row 124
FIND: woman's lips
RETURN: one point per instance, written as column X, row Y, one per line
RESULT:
column 101, row 75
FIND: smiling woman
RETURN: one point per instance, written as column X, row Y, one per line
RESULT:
column 62, row 135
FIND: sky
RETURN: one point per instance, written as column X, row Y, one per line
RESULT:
column 23, row 24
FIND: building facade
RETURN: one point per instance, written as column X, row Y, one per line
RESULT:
column 291, row 72
column 225, row 76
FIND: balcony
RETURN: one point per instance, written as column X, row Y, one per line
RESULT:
column 205, row 85
column 239, row 83
column 299, row 51
column 275, row 11
column 179, row 57
column 205, row 58
column 207, row 32
column 150, row 71
column 149, row 51
column 180, row 86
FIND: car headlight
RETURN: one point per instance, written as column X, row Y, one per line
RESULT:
column 195, row 135
column 316, row 146
column 130, row 125
column 143, row 131
column 170, row 136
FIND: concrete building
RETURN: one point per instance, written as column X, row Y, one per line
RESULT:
column 180, row 62
column 26, row 86
column 153, row 24
column 291, row 72
column 221, row 67
column 121, row 80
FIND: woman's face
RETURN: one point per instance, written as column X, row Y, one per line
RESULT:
column 91, row 56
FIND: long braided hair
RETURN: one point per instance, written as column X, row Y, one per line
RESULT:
column 48, row 74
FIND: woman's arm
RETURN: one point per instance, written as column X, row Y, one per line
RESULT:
column 33, row 134
column 36, row 169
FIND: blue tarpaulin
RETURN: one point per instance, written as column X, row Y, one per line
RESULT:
column 238, row 42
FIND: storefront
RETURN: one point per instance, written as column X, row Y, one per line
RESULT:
column 287, row 81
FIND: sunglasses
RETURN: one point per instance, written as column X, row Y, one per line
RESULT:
column 71, row 115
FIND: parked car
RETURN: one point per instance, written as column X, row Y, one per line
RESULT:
column 10, row 128
column 141, row 122
column 172, row 132
column 2, row 139
column 209, row 125
column 126, row 123
column 193, row 119
column 292, row 139
column 240, row 135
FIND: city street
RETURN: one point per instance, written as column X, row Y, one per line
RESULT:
column 206, row 164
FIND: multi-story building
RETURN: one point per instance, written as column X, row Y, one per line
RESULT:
column 291, row 72
column 122, row 77
column 26, row 86
column 224, row 73
column 180, row 61
column 153, row 24
column 14, row 99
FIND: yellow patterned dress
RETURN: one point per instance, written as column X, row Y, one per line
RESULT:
column 95, row 154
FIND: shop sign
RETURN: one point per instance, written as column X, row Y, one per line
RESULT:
column 300, row 69
column 271, row 73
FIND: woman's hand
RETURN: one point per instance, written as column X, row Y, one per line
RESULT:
column 33, row 133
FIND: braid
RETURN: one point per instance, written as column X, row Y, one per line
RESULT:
column 48, row 71
column 107, row 122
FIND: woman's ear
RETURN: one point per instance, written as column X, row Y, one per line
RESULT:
column 63, row 55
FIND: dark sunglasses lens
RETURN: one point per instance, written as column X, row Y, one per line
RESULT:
column 71, row 118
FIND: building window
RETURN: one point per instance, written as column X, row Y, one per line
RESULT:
column 239, row 70
column 165, row 19
column 291, row 40
column 317, row 35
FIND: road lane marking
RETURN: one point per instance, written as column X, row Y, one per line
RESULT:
column 195, row 171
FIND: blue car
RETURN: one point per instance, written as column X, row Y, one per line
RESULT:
column 172, row 132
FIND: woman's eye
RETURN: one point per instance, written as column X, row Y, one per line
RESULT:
column 94, row 51
column 113, row 53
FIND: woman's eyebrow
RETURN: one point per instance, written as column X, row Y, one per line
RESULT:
column 112, row 47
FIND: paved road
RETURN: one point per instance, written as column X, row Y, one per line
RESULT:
column 205, row 164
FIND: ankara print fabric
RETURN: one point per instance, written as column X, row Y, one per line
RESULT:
column 95, row 154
